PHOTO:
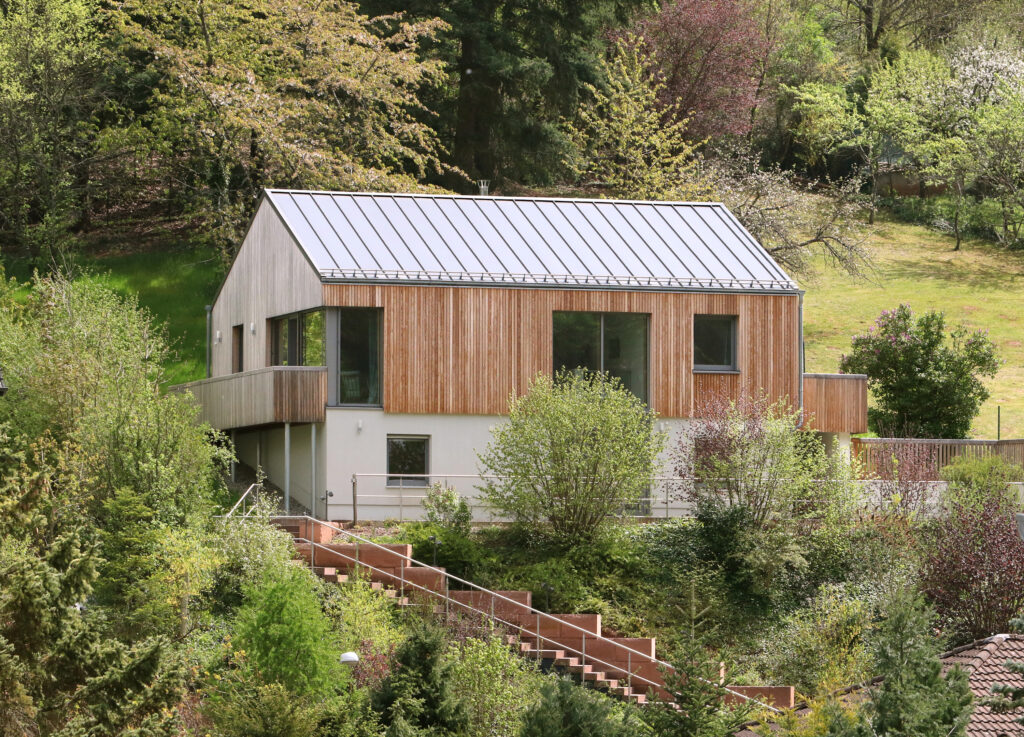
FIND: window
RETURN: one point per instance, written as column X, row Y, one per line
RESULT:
column 359, row 355
column 407, row 461
column 614, row 342
column 237, row 345
column 714, row 343
column 297, row 340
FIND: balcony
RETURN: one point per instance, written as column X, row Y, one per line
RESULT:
column 836, row 402
column 266, row 396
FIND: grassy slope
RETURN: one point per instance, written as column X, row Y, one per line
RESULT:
column 982, row 286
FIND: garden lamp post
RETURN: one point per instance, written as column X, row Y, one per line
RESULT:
column 349, row 658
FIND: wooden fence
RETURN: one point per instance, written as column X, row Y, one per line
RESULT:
column 876, row 453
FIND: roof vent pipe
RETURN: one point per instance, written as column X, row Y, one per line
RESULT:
column 485, row 186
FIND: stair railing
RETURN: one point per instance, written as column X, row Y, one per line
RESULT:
column 448, row 578
column 241, row 501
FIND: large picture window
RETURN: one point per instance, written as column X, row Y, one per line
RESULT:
column 614, row 342
column 359, row 355
column 408, row 463
column 714, row 343
column 297, row 340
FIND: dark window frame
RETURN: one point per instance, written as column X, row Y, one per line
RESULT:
column 379, row 313
column 731, row 368
column 407, row 481
column 295, row 349
column 602, row 347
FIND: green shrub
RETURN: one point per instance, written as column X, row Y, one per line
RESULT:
column 248, row 550
column 457, row 552
column 974, row 480
column 568, row 710
column 286, row 635
column 241, row 705
column 821, row 647
column 446, row 509
column 575, row 452
column 362, row 616
column 496, row 685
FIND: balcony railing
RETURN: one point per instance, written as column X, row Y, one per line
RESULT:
column 836, row 402
column 266, row 396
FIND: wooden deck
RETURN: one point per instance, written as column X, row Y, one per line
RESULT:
column 836, row 402
column 264, row 396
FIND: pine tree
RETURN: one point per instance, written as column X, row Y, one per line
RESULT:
column 914, row 698
column 59, row 673
column 567, row 710
column 417, row 698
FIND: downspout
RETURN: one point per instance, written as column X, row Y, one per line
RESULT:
column 800, row 382
column 209, row 337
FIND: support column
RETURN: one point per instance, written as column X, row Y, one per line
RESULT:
column 287, row 468
column 234, row 453
column 312, row 471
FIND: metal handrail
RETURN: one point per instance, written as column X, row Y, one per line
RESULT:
column 242, row 499
column 495, row 595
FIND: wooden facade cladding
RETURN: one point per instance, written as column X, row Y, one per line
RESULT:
column 836, row 402
column 464, row 350
column 262, row 397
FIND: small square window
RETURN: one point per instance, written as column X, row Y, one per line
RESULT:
column 714, row 343
column 407, row 461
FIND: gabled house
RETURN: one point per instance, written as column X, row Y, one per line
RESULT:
column 365, row 344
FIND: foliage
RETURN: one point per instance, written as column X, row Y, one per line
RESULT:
column 905, row 475
column 926, row 383
column 496, row 685
column 822, row 647
column 418, row 698
column 698, row 705
column 707, row 53
column 795, row 225
column 972, row 480
column 974, row 567
column 625, row 141
column 575, row 451
column 287, row 637
column 248, row 550
column 568, row 710
column 446, row 509
column 914, row 698
column 242, row 705
column 60, row 673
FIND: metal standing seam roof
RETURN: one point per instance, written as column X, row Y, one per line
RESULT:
column 526, row 241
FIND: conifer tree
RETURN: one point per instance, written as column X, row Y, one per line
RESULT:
column 567, row 710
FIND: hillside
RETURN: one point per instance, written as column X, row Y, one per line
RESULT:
column 981, row 285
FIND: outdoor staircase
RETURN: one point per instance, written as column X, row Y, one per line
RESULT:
column 573, row 644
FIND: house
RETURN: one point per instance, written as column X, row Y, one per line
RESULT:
column 363, row 344
column 984, row 661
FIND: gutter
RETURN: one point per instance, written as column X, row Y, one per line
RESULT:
column 800, row 383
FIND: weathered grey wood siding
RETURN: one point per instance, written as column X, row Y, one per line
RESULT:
column 269, row 277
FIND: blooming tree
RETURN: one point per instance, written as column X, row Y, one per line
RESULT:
column 926, row 383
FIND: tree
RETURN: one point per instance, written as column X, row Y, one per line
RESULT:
column 794, row 224
column 697, row 707
column 286, row 635
column 914, row 698
column 60, row 673
column 973, row 569
column 625, row 141
column 575, row 451
column 706, row 54
column 419, row 697
column 567, row 710
column 514, row 69
column 289, row 93
column 926, row 383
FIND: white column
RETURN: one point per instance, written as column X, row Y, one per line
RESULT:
column 312, row 468
column 287, row 468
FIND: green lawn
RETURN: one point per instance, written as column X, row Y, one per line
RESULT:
column 981, row 285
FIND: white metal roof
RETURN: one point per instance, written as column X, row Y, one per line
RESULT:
column 526, row 241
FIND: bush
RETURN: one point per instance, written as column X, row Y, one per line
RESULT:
column 286, row 635
column 458, row 553
column 248, row 549
column 974, row 566
column 926, row 383
column 241, row 705
column 575, row 451
column 822, row 647
column 568, row 710
column 446, row 509
column 973, row 480
column 496, row 685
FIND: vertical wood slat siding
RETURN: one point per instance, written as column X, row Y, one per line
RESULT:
column 464, row 350
column 873, row 452
column 261, row 397
column 836, row 402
